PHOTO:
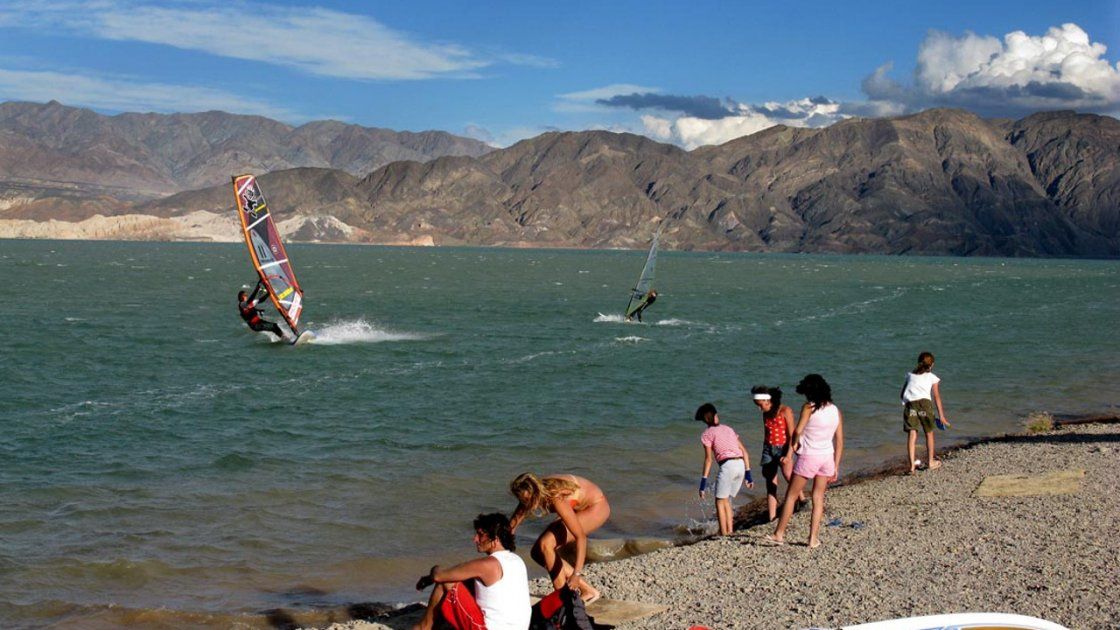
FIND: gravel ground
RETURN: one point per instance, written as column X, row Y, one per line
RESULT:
column 924, row 544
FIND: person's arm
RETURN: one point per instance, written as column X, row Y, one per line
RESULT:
column 747, row 461
column 937, row 401
column 487, row 569
column 519, row 514
column 787, row 413
column 838, row 445
column 795, row 439
column 568, row 516
column 705, row 469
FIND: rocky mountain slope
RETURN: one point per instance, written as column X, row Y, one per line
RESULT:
column 938, row 182
column 153, row 155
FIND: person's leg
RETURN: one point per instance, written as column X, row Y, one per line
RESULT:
column 911, row 442
column 795, row 488
column 590, row 518
column 770, row 474
column 276, row 330
column 723, row 511
column 546, row 553
column 819, row 485
column 429, row 618
column 787, row 472
column 931, row 461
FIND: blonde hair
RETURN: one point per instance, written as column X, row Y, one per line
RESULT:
column 536, row 494
column 925, row 363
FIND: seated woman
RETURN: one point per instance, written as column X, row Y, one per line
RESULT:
column 497, row 597
column 580, row 507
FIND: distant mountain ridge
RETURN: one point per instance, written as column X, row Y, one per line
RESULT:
column 938, row 182
column 160, row 154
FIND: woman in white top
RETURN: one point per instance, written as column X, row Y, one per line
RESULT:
column 500, row 584
column 920, row 395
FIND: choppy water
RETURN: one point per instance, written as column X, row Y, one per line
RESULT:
column 155, row 453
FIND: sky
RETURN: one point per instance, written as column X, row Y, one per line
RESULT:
column 690, row 73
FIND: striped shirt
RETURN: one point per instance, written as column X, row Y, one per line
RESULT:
column 723, row 440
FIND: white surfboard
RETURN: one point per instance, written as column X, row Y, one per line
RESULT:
column 986, row 621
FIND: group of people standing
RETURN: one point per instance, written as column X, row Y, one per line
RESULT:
column 807, row 451
column 817, row 440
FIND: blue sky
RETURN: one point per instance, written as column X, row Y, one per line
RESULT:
column 684, row 72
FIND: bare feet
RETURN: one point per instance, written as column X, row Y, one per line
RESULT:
column 935, row 464
column 772, row 540
column 813, row 544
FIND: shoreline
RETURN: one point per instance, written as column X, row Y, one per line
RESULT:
column 865, row 575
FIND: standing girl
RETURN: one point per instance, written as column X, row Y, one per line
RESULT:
column 777, row 420
column 920, row 394
column 819, row 443
column 722, row 444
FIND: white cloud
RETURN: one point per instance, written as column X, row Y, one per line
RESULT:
column 310, row 39
column 122, row 94
column 1020, row 73
column 691, row 132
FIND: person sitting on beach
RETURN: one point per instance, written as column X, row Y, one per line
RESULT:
column 818, row 441
column 777, row 421
column 920, row 393
column 580, row 507
column 489, row 593
column 723, row 444
column 247, row 306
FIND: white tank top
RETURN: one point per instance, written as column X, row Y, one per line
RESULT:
column 505, row 603
column 816, row 438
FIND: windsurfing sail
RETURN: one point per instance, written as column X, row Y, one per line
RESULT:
column 267, row 250
column 645, row 281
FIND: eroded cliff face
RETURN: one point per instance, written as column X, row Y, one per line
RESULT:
column 937, row 182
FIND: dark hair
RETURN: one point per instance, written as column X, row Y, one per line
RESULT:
column 705, row 411
column 775, row 398
column 240, row 293
column 815, row 389
column 925, row 363
column 496, row 526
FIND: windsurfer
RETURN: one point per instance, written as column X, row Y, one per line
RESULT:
column 647, row 300
column 247, row 305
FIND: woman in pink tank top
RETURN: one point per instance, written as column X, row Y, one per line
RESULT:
column 819, row 443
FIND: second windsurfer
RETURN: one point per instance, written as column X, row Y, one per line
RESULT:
column 643, row 305
column 252, row 315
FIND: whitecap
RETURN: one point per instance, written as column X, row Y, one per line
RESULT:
column 359, row 331
column 612, row 319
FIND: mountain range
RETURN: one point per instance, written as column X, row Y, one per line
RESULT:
column 940, row 181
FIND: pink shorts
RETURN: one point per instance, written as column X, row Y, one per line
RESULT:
column 810, row 466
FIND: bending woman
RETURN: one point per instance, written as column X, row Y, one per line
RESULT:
column 580, row 507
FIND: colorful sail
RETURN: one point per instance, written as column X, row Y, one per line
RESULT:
column 267, row 250
column 645, row 281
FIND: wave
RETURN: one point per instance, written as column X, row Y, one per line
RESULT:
column 674, row 322
column 612, row 319
column 630, row 339
column 359, row 331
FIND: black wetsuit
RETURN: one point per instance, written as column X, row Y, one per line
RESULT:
column 650, row 299
column 252, row 315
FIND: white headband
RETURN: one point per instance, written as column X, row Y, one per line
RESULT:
column 762, row 396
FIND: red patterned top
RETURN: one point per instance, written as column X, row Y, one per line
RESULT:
column 776, row 429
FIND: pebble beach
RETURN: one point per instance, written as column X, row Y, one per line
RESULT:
column 900, row 546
